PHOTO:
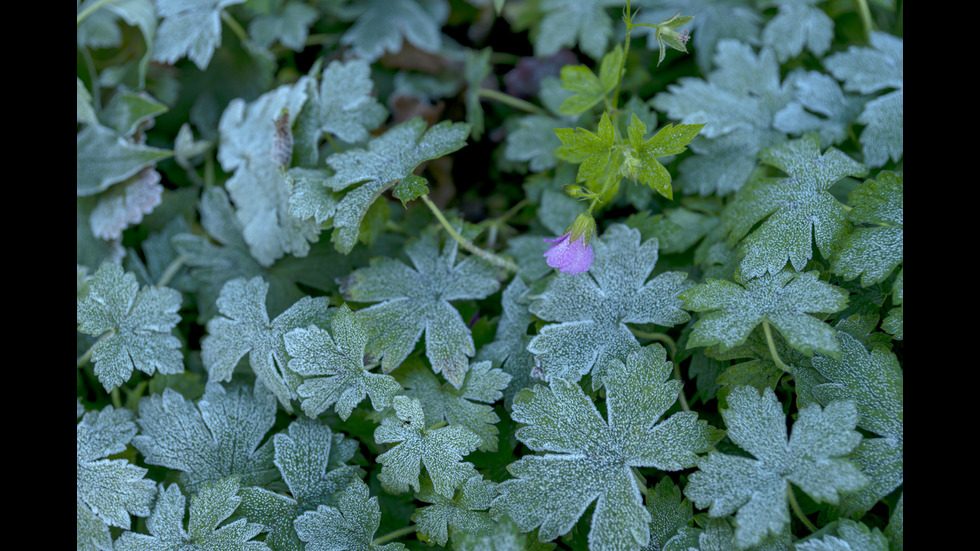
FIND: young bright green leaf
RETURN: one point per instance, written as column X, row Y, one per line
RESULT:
column 439, row 450
column 588, row 88
column 410, row 188
column 469, row 406
column 874, row 381
column 384, row 25
column 590, row 460
column 342, row 105
column 191, row 29
column 595, row 152
column 390, row 157
column 784, row 300
column 243, row 327
column 135, row 326
column 218, row 437
column 413, row 300
column 874, row 251
column 462, row 513
column 257, row 187
column 350, row 525
column 333, row 368
column 104, row 158
column 813, row 459
column 592, row 309
column 737, row 104
column 212, row 505
column 641, row 161
column 869, row 71
column 108, row 490
column 794, row 211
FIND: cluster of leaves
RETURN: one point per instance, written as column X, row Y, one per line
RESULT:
column 728, row 374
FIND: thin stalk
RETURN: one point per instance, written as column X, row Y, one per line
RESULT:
column 660, row 337
column 410, row 529
column 516, row 103
column 640, row 481
column 772, row 347
column 626, row 52
column 680, row 393
column 865, row 13
column 235, row 26
column 91, row 8
column 796, row 509
column 469, row 246
column 171, row 270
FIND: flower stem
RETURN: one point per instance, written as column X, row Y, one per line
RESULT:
column 516, row 103
column 410, row 529
column 772, row 348
column 469, row 246
column 796, row 509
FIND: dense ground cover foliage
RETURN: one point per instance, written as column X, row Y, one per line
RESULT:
column 488, row 274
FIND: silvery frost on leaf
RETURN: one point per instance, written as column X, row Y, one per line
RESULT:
column 243, row 327
column 588, row 458
column 813, row 459
column 592, row 310
column 416, row 299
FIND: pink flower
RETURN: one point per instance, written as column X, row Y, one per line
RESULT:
column 569, row 256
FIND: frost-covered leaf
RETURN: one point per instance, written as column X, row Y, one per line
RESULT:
column 125, row 204
column 135, row 326
column 218, row 437
column 309, row 197
column 342, row 105
column 415, row 299
column 784, row 300
column 191, row 29
column 470, row 406
column 588, row 459
column 567, row 23
column 870, row 71
column 791, row 211
column 875, row 250
column 108, row 491
column 439, row 450
column 755, row 488
column 476, row 69
column 101, row 28
column 348, row 526
column 312, row 461
column 534, row 141
column 243, row 327
column 509, row 347
column 463, row 513
column 104, row 158
column 384, row 25
column 850, row 536
column 128, row 110
column 390, row 157
column 593, row 308
column 798, row 26
column 875, row 382
column 288, row 24
column 669, row 511
column 210, row 507
column 332, row 367
column 258, row 186
column 819, row 106
column 737, row 105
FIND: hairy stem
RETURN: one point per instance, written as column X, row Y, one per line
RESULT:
column 772, row 348
column 410, row 529
column 469, row 246
column 516, row 103
column 796, row 509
